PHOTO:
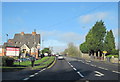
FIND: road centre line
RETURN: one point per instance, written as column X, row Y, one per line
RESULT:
column 26, row 79
column 76, row 69
column 80, row 74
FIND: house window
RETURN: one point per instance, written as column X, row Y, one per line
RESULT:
column 16, row 42
column 34, row 42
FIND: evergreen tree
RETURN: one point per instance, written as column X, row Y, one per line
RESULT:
column 109, row 43
column 94, row 38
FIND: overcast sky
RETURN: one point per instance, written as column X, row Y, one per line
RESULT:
column 58, row 23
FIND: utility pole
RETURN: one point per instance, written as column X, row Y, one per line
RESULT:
column 34, row 43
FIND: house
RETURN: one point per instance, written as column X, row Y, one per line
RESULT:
column 2, row 51
column 28, row 43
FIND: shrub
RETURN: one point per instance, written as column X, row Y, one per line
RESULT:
column 7, row 61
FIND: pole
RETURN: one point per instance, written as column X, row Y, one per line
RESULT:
column 34, row 44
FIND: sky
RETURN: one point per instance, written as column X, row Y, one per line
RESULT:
column 59, row 23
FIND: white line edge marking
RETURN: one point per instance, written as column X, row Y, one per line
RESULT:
column 26, row 79
column 80, row 74
column 75, row 69
column 71, row 66
column 31, row 75
column 116, row 72
column 35, row 73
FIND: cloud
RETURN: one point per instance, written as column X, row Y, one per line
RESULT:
column 93, row 17
column 57, row 45
column 59, row 40
column 71, row 37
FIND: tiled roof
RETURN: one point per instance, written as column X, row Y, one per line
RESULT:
column 27, row 39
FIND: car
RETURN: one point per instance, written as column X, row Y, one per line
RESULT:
column 57, row 55
column 60, row 57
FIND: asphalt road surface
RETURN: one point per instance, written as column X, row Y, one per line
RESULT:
column 74, row 69
column 71, row 69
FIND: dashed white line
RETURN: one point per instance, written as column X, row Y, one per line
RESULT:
column 71, row 66
column 26, row 79
column 75, row 69
column 101, row 67
column 80, row 74
column 31, row 75
column 87, row 63
column 105, row 69
column 35, row 73
column 116, row 72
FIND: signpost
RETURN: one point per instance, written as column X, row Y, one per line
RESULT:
column 104, row 52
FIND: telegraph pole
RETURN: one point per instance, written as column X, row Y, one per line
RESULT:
column 34, row 43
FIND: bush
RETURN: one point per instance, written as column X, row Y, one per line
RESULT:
column 7, row 61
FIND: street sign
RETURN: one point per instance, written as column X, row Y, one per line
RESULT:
column 105, row 52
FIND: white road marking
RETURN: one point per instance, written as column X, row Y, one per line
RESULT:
column 116, row 72
column 82, row 61
column 35, row 73
column 98, row 73
column 105, row 69
column 26, row 79
column 41, row 70
column 71, row 66
column 31, row 75
column 75, row 69
column 92, row 65
column 80, row 74
column 101, row 67
column 87, row 63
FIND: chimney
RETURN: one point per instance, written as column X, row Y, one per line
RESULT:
column 22, row 33
column 33, row 33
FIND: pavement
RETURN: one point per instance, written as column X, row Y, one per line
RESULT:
column 70, row 69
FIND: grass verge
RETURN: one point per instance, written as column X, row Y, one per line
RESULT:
column 45, row 64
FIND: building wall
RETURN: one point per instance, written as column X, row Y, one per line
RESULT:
column 2, row 52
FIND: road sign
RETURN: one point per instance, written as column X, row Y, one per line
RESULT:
column 104, row 51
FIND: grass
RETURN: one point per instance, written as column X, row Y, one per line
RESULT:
column 116, row 56
column 41, row 60
column 28, row 63
column 45, row 64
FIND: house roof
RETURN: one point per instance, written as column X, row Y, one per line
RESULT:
column 27, row 39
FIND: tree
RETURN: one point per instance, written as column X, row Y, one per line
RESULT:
column 84, row 48
column 72, row 50
column 46, row 50
column 95, row 37
column 109, row 43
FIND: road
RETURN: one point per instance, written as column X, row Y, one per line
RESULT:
column 74, row 70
